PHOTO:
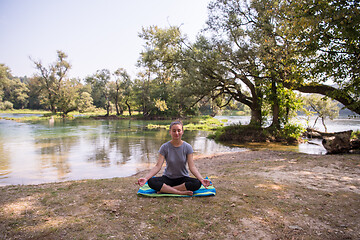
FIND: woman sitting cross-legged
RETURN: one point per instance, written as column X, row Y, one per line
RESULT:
column 176, row 177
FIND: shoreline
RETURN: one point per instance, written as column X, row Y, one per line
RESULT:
column 196, row 158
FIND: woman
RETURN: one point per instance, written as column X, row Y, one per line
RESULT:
column 176, row 178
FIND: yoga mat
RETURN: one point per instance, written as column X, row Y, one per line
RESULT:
column 201, row 192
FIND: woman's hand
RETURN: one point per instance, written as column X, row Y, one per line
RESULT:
column 142, row 181
column 205, row 182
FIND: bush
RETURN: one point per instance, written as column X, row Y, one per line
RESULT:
column 291, row 130
column 355, row 134
column 6, row 105
column 250, row 133
column 240, row 133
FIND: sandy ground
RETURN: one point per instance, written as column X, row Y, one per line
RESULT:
column 325, row 187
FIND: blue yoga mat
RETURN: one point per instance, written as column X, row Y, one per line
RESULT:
column 201, row 192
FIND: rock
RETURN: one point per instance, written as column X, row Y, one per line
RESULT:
column 338, row 143
column 295, row 227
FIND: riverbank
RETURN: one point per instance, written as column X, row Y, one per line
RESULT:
column 260, row 195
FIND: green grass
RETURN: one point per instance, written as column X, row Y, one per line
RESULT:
column 203, row 123
column 25, row 111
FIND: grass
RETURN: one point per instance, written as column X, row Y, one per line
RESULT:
column 203, row 123
column 252, row 202
column 25, row 111
column 45, row 115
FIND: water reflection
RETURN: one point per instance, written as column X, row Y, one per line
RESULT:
column 32, row 153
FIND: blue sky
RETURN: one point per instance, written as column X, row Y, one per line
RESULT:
column 95, row 34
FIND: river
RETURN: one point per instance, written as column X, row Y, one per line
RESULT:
column 41, row 152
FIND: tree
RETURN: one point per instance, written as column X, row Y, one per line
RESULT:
column 162, row 72
column 12, row 89
column 243, row 59
column 323, row 107
column 257, row 49
column 84, row 102
column 327, row 33
column 122, row 91
column 5, row 76
column 100, row 86
column 68, row 96
column 209, row 74
column 52, row 78
column 142, row 90
column 36, row 94
column 18, row 93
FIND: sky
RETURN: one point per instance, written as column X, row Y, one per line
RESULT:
column 95, row 34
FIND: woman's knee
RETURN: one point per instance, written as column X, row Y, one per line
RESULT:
column 155, row 184
column 193, row 185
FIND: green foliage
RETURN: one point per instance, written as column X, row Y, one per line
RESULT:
column 85, row 102
column 355, row 134
column 121, row 91
column 206, row 123
column 161, row 105
column 6, row 105
column 56, row 89
column 159, row 86
column 12, row 90
column 292, row 131
column 203, row 123
column 68, row 96
column 100, row 85
column 252, row 133
column 327, row 34
column 323, row 107
column 239, row 133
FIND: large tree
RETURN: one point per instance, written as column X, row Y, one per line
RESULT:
column 69, row 96
column 52, row 80
column 100, row 89
column 243, row 58
column 12, row 89
column 327, row 34
column 5, row 76
column 121, row 91
column 161, row 71
column 258, row 48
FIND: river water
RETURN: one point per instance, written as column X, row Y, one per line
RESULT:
column 33, row 153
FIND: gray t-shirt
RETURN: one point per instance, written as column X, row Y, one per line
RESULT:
column 176, row 159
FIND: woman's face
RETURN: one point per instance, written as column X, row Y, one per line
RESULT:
column 176, row 131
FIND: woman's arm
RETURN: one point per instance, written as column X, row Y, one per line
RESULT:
column 195, row 172
column 153, row 171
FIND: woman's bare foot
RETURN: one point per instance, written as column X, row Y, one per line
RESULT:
column 167, row 189
column 189, row 193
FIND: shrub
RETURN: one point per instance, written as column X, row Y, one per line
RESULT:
column 355, row 134
column 6, row 105
column 291, row 130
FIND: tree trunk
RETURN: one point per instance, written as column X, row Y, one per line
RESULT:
column 275, row 107
column 117, row 106
column 255, row 116
column 108, row 109
column 128, row 105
